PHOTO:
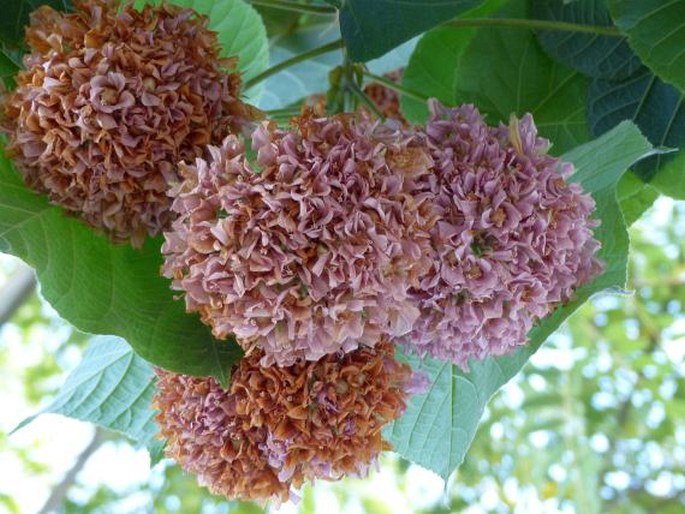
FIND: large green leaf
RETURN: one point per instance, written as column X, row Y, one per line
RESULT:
column 111, row 387
column 240, row 29
column 438, row 426
column 15, row 16
column 371, row 28
column 607, row 57
column 104, row 288
column 656, row 31
column 656, row 108
column 505, row 71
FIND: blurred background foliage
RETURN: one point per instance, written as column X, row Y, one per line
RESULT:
column 593, row 424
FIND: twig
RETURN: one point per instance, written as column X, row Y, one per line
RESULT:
column 59, row 492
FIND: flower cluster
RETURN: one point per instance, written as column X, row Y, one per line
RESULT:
column 279, row 426
column 453, row 239
column 312, row 248
column 111, row 99
column 512, row 239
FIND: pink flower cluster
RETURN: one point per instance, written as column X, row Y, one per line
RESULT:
column 512, row 240
column 309, row 249
column 452, row 240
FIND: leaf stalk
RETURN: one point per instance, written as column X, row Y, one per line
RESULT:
column 526, row 23
column 309, row 54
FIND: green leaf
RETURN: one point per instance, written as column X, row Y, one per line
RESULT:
column 432, row 67
column 431, row 70
column 656, row 31
column 104, row 288
column 656, row 108
column 438, row 426
column 371, row 28
column 111, row 387
column 15, row 16
column 635, row 197
column 606, row 57
column 240, row 30
column 505, row 71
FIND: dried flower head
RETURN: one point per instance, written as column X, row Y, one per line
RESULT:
column 312, row 249
column 277, row 427
column 206, row 437
column 512, row 237
column 324, row 418
column 110, row 101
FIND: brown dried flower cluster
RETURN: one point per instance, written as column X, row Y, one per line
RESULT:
column 111, row 100
column 279, row 426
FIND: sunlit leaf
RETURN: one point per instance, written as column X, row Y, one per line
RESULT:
column 431, row 70
column 635, row 197
column 111, row 387
column 433, row 67
column 505, row 71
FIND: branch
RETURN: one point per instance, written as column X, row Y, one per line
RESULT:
column 16, row 292
column 59, row 492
